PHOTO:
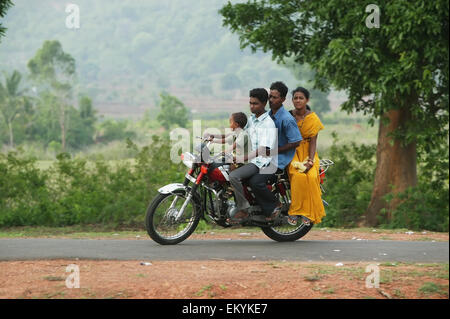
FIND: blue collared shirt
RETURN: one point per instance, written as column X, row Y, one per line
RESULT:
column 262, row 132
column 288, row 132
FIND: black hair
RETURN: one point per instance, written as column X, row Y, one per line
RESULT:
column 240, row 118
column 302, row 90
column 280, row 87
column 305, row 93
column 261, row 94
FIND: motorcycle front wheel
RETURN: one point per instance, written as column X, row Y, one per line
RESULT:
column 161, row 222
column 287, row 232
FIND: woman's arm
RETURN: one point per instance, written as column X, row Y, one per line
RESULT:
column 311, row 153
column 288, row 146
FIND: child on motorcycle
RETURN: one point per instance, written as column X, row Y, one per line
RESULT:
column 238, row 138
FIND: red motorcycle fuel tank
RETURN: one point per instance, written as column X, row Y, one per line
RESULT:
column 216, row 175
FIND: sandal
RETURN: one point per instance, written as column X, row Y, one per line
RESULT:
column 275, row 213
column 305, row 220
column 238, row 218
column 292, row 220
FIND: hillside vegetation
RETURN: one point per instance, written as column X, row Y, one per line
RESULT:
column 128, row 51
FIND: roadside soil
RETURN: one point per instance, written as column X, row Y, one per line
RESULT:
column 220, row 279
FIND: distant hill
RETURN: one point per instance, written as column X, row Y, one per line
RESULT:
column 128, row 51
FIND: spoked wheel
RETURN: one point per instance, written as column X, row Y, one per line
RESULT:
column 287, row 232
column 161, row 218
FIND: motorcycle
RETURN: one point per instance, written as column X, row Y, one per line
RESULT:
column 206, row 193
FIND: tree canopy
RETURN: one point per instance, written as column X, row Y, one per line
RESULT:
column 137, row 49
column 173, row 111
column 397, row 72
column 4, row 6
column 12, row 101
column 408, row 54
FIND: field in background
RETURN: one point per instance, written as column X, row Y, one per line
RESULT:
column 356, row 130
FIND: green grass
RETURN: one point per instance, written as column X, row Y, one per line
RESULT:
column 114, row 232
column 203, row 289
column 433, row 288
column 54, row 278
column 358, row 133
column 70, row 232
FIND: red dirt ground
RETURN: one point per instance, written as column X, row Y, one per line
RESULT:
column 231, row 279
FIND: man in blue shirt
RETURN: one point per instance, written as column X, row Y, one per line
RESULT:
column 289, row 136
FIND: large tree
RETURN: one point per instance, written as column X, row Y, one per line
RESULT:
column 396, row 71
column 53, row 70
column 13, row 101
column 173, row 111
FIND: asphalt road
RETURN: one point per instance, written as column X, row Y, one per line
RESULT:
column 302, row 250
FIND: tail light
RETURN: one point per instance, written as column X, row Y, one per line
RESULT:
column 322, row 176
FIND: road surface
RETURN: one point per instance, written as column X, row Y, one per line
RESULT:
column 302, row 250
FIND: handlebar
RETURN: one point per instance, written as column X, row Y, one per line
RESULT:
column 208, row 142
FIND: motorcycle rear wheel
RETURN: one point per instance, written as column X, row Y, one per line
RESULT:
column 286, row 233
column 159, row 221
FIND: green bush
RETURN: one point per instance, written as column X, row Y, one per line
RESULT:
column 23, row 191
column 425, row 206
column 80, row 191
column 75, row 191
column 111, row 130
column 348, row 184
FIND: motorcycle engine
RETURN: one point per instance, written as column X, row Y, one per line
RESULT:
column 224, row 203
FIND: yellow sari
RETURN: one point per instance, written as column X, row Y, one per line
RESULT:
column 306, row 195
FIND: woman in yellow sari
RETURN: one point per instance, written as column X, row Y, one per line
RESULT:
column 306, row 200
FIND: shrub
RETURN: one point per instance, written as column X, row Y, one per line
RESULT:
column 349, row 182
column 425, row 206
column 75, row 191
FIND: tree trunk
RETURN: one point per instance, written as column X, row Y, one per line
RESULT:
column 11, row 135
column 62, row 124
column 396, row 165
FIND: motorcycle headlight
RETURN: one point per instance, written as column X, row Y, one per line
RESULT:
column 188, row 159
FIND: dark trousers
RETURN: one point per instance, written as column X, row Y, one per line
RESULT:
column 258, row 183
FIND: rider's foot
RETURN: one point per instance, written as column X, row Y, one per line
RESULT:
column 238, row 218
column 292, row 220
column 306, row 221
column 275, row 213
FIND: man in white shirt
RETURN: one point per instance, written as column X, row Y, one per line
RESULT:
column 263, row 136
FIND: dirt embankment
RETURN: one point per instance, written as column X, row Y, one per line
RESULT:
column 220, row 279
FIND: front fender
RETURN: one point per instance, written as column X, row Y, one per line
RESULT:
column 169, row 188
